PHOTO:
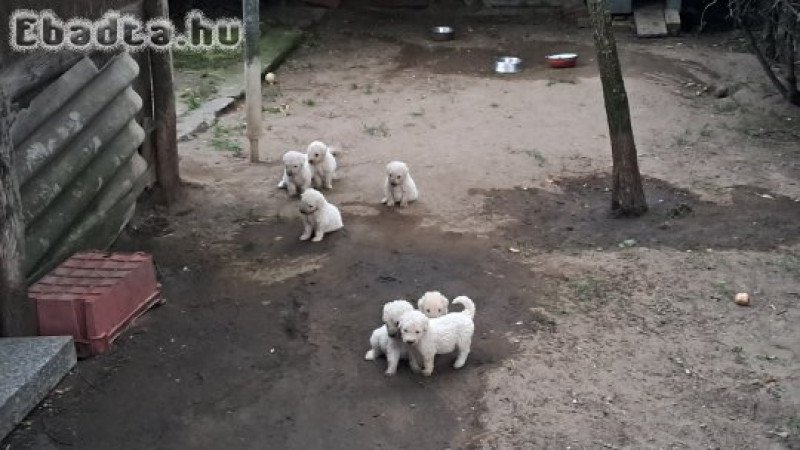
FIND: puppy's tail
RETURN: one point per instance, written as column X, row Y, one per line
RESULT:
column 469, row 306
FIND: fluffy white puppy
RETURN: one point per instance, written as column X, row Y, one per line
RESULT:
column 323, row 164
column 429, row 337
column 433, row 304
column 297, row 173
column 399, row 187
column 319, row 216
column 386, row 339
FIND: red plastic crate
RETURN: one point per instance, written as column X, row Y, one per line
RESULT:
column 93, row 296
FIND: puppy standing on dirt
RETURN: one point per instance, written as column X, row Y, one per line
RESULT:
column 386, row 339
column 319, row 216
column 323, row 163
column 429, row 337
column 399, row 187
column 297, row 173
column 433, row 304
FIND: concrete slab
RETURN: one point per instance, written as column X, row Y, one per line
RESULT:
column 673, row 19
column 29, row 369
column 650, row 21
column 202, row 118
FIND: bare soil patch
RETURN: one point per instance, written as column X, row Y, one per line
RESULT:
column 579, row 216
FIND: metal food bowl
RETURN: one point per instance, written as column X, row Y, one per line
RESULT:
column 508, row 64
column 562, row 60
column 442, row 33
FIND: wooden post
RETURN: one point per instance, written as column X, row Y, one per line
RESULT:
column 164, row 120
column 16, row 311
column 627, row 195
column 252, row 74
column 790, row 25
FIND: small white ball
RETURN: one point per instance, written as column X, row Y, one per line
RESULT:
column 270, row 77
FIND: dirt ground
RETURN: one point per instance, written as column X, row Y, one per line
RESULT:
column 591, row 332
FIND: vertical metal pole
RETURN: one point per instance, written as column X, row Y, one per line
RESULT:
column 252, row 74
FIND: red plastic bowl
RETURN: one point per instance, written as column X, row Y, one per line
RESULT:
column 562, row 60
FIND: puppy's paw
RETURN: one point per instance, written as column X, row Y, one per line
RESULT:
column 384, row 201
column 305, row 236
column 403, row 204
column 389, row 373
column 459, row 364
column 370, row 355
column 317, row 239
column 329, row 186
column 427, row 373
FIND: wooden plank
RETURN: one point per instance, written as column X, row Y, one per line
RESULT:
column 650, row 21
column 166, row 137
column 16, row 312
column 252, row 75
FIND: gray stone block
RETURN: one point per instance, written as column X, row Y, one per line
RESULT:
column 29, row 368
column 673, row 19
column 202, row 118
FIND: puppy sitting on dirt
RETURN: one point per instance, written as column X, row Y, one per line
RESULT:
column 319, row 216
column 433, row 304
column 297, row 173
column 399, row 187
column 323, row 164
column 429, row 337
column 386, row 339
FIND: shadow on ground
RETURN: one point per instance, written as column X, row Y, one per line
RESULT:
column 578, row 217
column 240, row 360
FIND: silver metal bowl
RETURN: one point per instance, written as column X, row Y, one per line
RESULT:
column 442, row 33
column 508, row 64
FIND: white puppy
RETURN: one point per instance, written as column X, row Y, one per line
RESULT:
column 297, row 173
column 386, row 339
column 399, row 187
column 429, row 337
column 319, row 216
column 433, row 304
column 323, row 163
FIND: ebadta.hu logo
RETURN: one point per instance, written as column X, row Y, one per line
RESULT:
column 43, row 30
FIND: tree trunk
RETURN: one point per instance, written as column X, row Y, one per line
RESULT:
column 627, row 198
column 164, row 119
column 791, row 78
column 16, row 312
column 770, row 46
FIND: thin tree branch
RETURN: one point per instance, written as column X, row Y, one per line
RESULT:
column 762, row 60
